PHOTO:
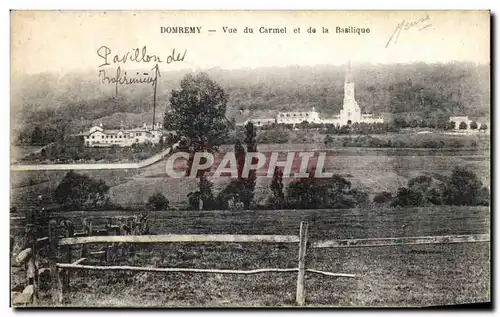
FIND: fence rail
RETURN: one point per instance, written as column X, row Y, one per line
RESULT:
column 180, row 238
column 382, row 242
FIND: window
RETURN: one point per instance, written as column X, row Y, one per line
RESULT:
column 102, row 137
column 120, row 136
column 92, row 137
column 87, row 137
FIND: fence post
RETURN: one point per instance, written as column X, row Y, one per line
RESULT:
column 56, row 285
column 109, row 248
column 32, row 269
column 68, row 233
column 87, row 228
column 300, row 298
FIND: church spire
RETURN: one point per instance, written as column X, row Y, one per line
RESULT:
column 348, row 74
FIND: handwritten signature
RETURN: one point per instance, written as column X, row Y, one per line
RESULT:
column 422, row 23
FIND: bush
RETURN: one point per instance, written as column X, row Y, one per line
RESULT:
column 157, row 202
column 328, row 139
column 473, row 125
column 78, row 191
column 272, row 136
column 462, row 126
column 382, row 197
column 462, row 188
column 465, row 189
column 321, row 193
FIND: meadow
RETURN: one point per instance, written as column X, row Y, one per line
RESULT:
column 418, row 275
column 374, row 169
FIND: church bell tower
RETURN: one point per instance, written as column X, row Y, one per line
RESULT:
column 351, row 111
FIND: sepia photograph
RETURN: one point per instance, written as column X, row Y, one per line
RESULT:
column 250, row 159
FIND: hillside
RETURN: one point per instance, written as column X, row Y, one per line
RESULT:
column 73, row 102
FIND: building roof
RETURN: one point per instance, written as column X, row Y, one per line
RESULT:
column 456, row 118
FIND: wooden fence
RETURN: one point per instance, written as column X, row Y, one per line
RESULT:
column 136, row 232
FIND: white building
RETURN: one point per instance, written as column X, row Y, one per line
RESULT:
column 261, row 122
column 97, row 136
column 350, row 112
column 460, row 119
column 297, row 117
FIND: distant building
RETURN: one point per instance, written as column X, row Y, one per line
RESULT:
column 97, row 136
column 460, row 119
column 298, row 117
column 261, row 122
column 350, row 112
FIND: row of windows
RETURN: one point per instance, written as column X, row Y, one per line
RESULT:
column 118, row 136
column 108, row 141
column 294, row 115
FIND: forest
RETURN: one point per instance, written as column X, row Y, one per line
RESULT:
column 51, row 105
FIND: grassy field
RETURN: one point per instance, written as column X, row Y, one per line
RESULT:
column 374, row 169
column 422, row 275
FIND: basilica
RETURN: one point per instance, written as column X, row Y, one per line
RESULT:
column 349, row 114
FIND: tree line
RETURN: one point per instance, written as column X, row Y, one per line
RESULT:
column 431, row 91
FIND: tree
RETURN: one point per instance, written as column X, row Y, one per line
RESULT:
column 400, row 122
column 421, row 191
column 250, row 181
column 413, row 123
column 277, row 188
column 328, row 139
column 483, row 126
column 234, row 191
column 203, row 198
column 334, row 192
column 157, row 202
column 451, row 125
column 473, row 125
column 78, row 191
column 239, row 152
column 198, row 113
column 465, row 188
column 382, row 197
column 462, row 126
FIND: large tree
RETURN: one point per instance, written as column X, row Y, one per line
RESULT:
column 198, row 113
column 276, row 186
column 250, row 181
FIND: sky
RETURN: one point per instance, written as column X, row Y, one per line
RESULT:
column 65, row 41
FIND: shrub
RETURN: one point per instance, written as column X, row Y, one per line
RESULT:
column 382, row 197
column 157, row 202
column 78, row 191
